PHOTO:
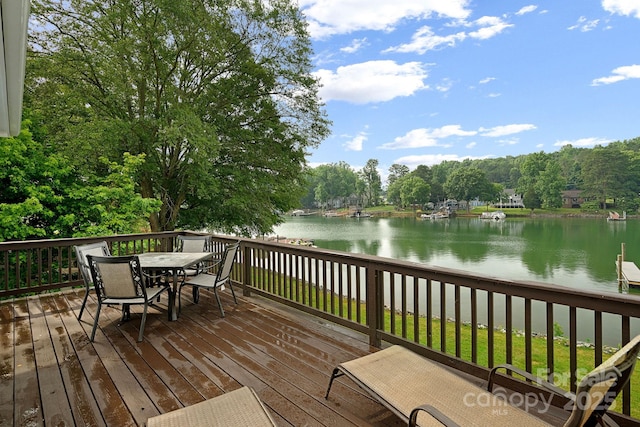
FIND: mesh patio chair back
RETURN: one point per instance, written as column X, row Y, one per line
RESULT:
column 216, row 280
column 95, row 249
column 193, row 243
column 120, row 280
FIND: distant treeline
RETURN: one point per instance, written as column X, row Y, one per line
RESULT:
column 604, row 175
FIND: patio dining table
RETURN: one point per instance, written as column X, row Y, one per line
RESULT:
column 173, row 261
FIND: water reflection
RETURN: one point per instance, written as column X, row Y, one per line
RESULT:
column 573, row 252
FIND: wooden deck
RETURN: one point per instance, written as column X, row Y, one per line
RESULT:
column 52, row 375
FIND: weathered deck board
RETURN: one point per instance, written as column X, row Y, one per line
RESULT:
column 84, row 407
column 53, row 375
column 56, row 403
column 6, row 364
column 28, row 409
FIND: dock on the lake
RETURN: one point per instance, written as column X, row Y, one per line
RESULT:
column 628, row 272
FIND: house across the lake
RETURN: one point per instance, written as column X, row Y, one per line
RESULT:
column 572, row 199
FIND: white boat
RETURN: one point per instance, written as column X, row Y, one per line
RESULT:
column 495, row 215
column 615, row 216
column 442, row 214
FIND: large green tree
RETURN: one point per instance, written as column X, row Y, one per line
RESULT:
column 604, row 173
column 372, row 187
column 550, row 185
column 467, row 183
column 333, row 182
column 397, row 171
column 218, row 94
column 414, row 191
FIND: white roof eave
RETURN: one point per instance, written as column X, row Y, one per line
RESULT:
column 14, row 20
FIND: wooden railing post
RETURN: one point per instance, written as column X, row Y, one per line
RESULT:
column 374, row 311
column 247, row 276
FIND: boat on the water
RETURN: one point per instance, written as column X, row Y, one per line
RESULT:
column 495, row 215
column 615, row 216
column 300, row 212
column 441, row 214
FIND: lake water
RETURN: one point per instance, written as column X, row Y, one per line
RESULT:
column 578, row 253
column 574, row 252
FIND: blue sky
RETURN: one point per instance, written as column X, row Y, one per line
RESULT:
column 422, row 81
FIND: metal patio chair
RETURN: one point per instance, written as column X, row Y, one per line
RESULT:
column 216, row 280
column 120, row 280
column 96, row 249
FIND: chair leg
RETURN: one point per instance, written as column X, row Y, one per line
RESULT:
column 196, row 294
column 84, row 302
column 179, row 299
column 233, row 292
column 126, row 313
column 336, row 373
column 95, row 323
column 144, row 320
column 215, row 292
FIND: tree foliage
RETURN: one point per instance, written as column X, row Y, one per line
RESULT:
column 603, row 173
column 397, row 171
column 44, row 196
column 550, row 185
column 414, row 190
column 372, row 187
column 467, row 183
column 218, row 94
column 333, row 182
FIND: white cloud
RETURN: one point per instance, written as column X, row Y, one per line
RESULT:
column 355, row 45
column 583, row 142
column 619, row 74
column 329, row 17
column 526, row 9
column 490, row 26
column 585, row 25
column 420, row 138
column 471, row 145
column 505, row 130
column 444, row 86
column 425, row 40
column 486, row 80
column 372, row 81
column 432, row 159
column 356, row 143
column 622, row 7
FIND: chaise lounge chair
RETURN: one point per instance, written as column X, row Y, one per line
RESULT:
column 238, row 408
column 424, row 393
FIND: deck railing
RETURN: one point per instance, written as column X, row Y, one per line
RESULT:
column 467, row 321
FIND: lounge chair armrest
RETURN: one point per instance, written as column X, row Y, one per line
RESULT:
column 541, row 382
column 442, row 418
